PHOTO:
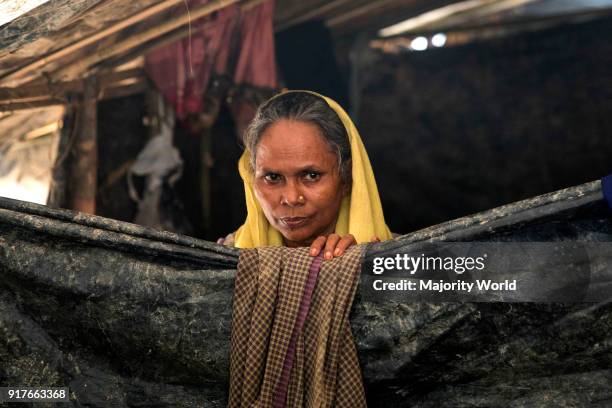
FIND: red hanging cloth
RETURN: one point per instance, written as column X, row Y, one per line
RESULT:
column 182, row 70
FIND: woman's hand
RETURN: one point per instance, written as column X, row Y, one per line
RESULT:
column 228, row 240
column 333, row 245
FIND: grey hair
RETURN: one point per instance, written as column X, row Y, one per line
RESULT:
column 303, row 107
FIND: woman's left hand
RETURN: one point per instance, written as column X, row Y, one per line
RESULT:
column 332, row 245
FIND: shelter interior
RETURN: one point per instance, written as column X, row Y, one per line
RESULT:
column 133, row 110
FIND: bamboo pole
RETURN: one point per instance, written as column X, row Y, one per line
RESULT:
column 206, row 163
column 113, row 91
column 15, row 106
column 462, row 11
column 54, row 56
column 147, row 47
column 39, row 90
column 84, row 170
column 58, row 89
column 133, row 41
column 477, row 25
column 58, row 187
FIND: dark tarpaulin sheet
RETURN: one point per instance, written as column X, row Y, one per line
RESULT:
column 127, row 316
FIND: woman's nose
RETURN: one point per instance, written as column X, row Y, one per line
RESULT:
column 292, row 196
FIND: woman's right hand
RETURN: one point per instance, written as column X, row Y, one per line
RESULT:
column 228, row 240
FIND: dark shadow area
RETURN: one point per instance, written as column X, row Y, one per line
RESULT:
column 458, row 130
column 121, row 136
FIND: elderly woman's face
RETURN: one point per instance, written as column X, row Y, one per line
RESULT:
column 297, row 182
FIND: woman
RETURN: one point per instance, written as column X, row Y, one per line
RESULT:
column 308, row 183
column 307, row 179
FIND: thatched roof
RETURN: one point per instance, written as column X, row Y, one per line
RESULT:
column 62, row 40
column 65, row 40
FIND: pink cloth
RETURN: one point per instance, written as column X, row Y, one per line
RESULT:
column 280, row 396
column 257, row 63
column 182, row 70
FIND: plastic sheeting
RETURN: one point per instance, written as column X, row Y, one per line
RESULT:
column 128, row 316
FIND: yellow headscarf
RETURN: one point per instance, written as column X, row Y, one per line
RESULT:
column 360, row 212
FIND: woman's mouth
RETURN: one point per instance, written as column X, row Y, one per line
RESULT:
column 293, row 222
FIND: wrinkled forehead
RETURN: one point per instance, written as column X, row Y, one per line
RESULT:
column 289, row 143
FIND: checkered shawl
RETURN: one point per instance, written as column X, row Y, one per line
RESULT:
column 272, row 362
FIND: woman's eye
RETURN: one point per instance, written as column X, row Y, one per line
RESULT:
column 272, row 177
column 312, row 176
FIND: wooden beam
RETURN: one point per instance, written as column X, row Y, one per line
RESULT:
column 510, row 23
column 17, row 75
column 387, row 14
column 166, row 39
column 147, row 47
column 45, row 130
column 112, row 77
column 515, row 23
column 366, row 9
column 39, row 90
column 131, row 42
column 136, row 87
column 58, row 89
column 113, row 92
column 313, row 13
column 451, row 14
column 83, row 175
column 15, row 106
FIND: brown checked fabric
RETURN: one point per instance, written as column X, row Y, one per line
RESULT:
column 273, row 288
